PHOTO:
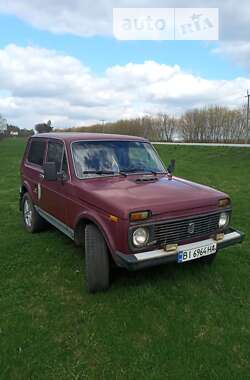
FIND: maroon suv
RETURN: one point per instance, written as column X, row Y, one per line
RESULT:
column 113, row 195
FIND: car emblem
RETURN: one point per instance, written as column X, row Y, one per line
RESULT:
column 191, row 228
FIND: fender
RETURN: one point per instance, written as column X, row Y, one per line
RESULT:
column 21, row 192
column 28, row 187
column 102, row 223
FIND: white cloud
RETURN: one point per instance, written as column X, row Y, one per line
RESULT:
column 87, row 18
column 84, row 18
column 39, row 84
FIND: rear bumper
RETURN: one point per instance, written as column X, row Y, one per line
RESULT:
column 160, row 256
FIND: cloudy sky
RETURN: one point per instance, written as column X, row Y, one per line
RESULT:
column 59, row 60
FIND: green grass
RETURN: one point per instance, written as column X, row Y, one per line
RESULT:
column 170, row 322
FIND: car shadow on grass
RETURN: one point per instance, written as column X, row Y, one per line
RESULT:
column 167, row 274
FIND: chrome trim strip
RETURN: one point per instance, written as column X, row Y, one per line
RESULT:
column 230, row 236
column 56, row 223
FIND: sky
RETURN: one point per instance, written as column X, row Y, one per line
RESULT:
column 60, row 61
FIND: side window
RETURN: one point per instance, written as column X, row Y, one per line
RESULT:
column 36, row 152
column 55, row 154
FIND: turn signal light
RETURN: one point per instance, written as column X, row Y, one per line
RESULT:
column 113, row 218
column 139, row 215
column 224, row 202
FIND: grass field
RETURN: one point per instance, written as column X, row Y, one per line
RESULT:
column 171, row 322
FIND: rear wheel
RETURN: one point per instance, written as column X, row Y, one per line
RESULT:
column 97, row 260
column 32, row 221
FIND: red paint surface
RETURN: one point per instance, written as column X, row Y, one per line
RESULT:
column 96, row 198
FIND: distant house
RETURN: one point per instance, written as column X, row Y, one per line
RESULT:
column 3, row 126
column 14, row 133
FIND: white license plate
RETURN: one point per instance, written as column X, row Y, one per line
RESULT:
column 197, row 252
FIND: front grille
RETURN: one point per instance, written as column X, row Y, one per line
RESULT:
column 186, row 229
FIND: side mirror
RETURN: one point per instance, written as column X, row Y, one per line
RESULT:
column 171, row 167
column 50, row 172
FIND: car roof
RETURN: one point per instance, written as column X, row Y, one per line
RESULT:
column 73, row 136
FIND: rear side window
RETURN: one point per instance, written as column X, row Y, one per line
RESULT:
column 55, row 154
column 36, row 152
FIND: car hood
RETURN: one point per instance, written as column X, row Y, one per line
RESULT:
column 120, row 196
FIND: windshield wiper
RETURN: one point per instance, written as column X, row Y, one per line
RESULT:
column 100, row 172
column 122, row 172
column 140, row 171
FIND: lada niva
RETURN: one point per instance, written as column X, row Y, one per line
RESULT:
column 113, row 195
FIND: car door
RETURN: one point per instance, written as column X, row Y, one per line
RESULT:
column 53, row 199
column 32, row 170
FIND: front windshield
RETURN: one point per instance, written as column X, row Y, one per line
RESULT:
column 92, row 158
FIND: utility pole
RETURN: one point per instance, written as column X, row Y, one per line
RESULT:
column 103, row 123
column 247, row 128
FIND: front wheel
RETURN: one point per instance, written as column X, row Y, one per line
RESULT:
column 96, row 260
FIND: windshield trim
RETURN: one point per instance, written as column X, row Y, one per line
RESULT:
column 118, row 174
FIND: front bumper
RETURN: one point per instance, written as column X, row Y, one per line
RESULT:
column 160, row 256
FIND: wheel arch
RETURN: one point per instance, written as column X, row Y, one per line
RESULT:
column 79, row 231
column 24, row 188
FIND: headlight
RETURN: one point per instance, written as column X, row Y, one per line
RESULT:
column 224, row 219
column 140, row 236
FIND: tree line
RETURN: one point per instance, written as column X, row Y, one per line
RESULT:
column 210, row 124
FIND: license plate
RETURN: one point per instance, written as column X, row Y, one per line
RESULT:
column 197, row 252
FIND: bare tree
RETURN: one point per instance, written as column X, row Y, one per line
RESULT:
column 211, row 124
column 167, row 126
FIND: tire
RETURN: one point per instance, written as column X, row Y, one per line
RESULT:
column 32, row 221
column 97, row 261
